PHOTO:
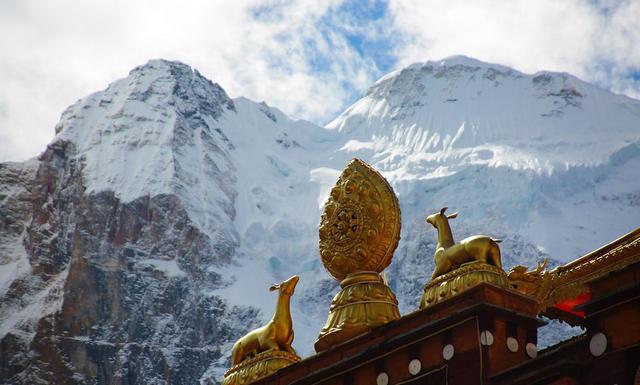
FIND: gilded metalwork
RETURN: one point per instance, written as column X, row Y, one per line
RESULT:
column 360, row 224
column 268, row 348
column 570, row 280
column 359, row 231
column 450, row 255
column 459, row 266
column 461, row 279
column 365, row 302
column 535, row 283
column 262, row 365
column 454, row 273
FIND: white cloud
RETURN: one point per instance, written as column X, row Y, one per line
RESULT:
column 295, row 55
column 596, row 41
column 52, row 53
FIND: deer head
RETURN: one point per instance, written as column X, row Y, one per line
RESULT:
column 286, row 287
column 435, row 219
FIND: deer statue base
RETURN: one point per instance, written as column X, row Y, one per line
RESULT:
column 261, row 365
column 461, row 279
column 363, row 303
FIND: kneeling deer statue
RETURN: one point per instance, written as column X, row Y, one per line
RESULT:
column 277, row 334
column 450, row 255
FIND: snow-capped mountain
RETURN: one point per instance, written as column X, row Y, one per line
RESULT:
column 140, row 245
column 514, row 143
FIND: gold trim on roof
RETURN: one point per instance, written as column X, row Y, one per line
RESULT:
column 572, row 279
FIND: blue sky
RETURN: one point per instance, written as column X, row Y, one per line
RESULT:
column 364, row 14
column 328, row 52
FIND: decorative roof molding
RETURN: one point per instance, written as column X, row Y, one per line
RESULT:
column 572, row 279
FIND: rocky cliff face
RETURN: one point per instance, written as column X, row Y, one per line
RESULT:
column 117, row 290
column 140, row 244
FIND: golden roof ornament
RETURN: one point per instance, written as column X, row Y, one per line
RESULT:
column 267, row 349
column 462, row 265
column 527, row 282
column 359, row 231
column 477, row 259
column 567, row 282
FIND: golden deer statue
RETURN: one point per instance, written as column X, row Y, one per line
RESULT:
column 450, row 255
column 275, row 335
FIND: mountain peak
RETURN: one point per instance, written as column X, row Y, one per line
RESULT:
column 160, row 65
column 462, row 61
column 458, row 103
column 156, row 84
column 137, row 136
column 454, row 62
column 186, row 82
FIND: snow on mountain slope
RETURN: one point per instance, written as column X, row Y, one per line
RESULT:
column 479, row 113
column 527, row 150
column 175, row 207
column 155, row 132
column 172, row 206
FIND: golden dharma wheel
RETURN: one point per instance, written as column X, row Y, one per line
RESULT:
column 360, row 224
